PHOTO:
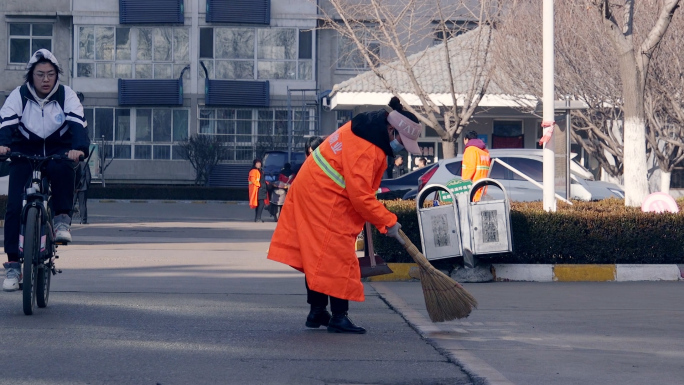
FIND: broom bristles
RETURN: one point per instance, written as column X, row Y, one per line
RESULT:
column 445, row 299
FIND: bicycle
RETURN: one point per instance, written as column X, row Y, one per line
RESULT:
column 37, row 246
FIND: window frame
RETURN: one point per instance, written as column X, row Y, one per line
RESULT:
column 367, row 41
column 133, row 141
column 454, row 27
column 30, row 37
column 176, row 65
column 299, row 63
column 259, row 140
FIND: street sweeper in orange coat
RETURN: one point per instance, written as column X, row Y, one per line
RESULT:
column 328, row 204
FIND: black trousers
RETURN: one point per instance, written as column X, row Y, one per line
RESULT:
column 61, row 175
column 82, row 198
column 259, row 209
column 314, row 298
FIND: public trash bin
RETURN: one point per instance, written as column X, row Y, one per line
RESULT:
column 462, row 227
column 440, row 231
column 490, row 221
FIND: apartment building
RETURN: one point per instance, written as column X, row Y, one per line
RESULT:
column 154, row 72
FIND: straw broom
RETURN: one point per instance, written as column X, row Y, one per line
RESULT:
column 445, row 299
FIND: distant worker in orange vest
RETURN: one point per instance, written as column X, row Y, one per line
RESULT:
column 257, row 189
column 328, row 204
column 476, row 160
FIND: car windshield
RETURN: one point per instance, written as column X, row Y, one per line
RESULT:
column 274, row 161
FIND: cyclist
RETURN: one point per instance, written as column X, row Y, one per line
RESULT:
column 41, row 117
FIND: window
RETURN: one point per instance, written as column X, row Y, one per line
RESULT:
column 257, row 53
column 349, row 56
column 27, row 38
column 455, row 168
column 530, row 167
column 132, row 53
column 498, row 171
column 508, row 134
column 453, row 29
column 343, row 116
column 248, row 133
column 139, row 133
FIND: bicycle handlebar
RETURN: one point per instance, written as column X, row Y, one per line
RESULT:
column 19, row 155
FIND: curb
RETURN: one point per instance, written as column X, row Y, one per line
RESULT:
column 587, row 273
column 400, row 273
column 557, row 273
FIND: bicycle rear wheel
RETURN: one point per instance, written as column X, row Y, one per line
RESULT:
column 31, row 257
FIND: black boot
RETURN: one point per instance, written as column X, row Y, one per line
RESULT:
column 340, row 323
column 317, row 316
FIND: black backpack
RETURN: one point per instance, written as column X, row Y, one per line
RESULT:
column 58, row 96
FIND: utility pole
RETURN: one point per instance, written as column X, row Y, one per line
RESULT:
column 548, row 113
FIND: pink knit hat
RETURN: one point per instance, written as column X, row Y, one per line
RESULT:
column 409, row 131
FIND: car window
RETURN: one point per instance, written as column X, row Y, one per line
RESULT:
column 497, row 171
column 530, row 167
column 454, row 168
column 411, row 177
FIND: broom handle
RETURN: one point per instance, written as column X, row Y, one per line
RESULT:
column 413, row 251
column 369, row 244
column 405, row 238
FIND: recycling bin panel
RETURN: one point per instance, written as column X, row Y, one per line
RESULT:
column 490, row 222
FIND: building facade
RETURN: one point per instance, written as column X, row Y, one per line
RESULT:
column 155, row 72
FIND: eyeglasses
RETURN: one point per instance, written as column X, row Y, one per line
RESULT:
column 42, row 75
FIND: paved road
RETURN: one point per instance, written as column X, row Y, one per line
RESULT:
column 182, row 293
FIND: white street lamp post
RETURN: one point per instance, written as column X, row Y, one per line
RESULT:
column 548, row 111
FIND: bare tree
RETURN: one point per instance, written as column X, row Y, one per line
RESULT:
column 594, row 64
column 663, row 102
column 633, row 59
column 584, row 70
column 203, row 152
column 402, row 32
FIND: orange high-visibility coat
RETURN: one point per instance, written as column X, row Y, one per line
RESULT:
column 319, row 223
column 254, row 185
column 475, row 166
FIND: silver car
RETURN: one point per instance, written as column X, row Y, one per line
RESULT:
column 529, row 162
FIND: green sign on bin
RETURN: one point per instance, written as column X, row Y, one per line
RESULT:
column 456, row 186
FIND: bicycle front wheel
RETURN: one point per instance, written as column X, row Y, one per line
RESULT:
column 43, row 286
column 31, row 258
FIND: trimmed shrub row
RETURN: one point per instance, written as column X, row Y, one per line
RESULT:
column 157, row 192
column 171, row 192
column 604, row 232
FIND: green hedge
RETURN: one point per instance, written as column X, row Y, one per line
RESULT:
column 586, row 232
column 158, row 192
column 170, row 192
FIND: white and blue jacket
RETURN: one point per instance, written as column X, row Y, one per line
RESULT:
column 53, row 125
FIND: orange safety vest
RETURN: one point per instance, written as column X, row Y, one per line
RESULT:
column 254, row 184
column 327, row 206
column 475, row 166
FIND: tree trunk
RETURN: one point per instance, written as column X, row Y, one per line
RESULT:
column 635, row 170
column 665, row 181
column 449, row 148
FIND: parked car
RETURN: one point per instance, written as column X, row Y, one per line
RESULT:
column 405, row 182
column 529, row 162
column 274, row 161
